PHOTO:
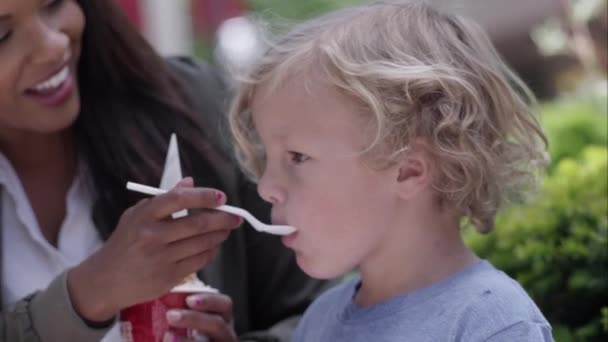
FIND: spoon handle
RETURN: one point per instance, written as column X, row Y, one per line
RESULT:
column 227, row 208
column 144, row 189
column 242, row 213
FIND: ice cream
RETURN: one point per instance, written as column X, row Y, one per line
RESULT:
column 192, row 284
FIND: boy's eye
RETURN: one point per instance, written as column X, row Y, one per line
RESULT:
column 297, row 157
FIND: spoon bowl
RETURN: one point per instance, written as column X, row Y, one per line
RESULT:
column 254, row 222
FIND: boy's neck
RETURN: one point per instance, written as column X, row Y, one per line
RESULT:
column 425, row 251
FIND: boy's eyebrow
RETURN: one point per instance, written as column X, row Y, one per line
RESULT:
column 5, row 17
column 281, row 136
column 277, row 134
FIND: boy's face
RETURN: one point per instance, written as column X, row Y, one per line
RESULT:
column 316, row 179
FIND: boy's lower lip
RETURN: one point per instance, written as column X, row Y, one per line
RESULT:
column 289, row 239
column 54, row 98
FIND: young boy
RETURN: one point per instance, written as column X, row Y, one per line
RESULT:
column 375, row 131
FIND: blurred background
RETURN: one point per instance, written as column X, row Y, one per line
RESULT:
column 556, row 245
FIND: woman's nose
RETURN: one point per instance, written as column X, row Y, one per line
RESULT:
column 51, row 46
column 270, row 189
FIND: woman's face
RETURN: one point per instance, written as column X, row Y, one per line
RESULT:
column 40, row 44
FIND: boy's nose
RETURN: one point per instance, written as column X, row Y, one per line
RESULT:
column 270, row 190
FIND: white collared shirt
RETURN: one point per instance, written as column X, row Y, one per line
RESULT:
column 29, row 261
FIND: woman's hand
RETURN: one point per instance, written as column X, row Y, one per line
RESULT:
column 149, row 252
column 211, row 316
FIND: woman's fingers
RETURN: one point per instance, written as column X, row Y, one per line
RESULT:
column 174, row 230
column 170, row 337
column 186, row 248
column 187, row 182
column 214, row 303
column 193, row 263
column 162, row 206
column 211, row 316
column 210, row 325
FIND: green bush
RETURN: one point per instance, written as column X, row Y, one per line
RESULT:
column 556, row 246
column 572, row 125
column 299, row 10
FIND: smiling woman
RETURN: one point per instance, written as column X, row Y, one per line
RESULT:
column 39, row 49
column 86, row 105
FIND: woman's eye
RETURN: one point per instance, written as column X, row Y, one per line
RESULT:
column 5, row 35
column 53, row 3
column 297, row 158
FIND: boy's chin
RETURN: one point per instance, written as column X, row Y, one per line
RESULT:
column 319, row 269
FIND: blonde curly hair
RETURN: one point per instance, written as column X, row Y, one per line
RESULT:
column 419, row 72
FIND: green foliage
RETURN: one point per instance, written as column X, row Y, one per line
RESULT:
column 299, row 10
column 572, row 125
column 557, row 247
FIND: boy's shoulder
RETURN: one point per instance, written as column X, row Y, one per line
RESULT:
column 493, row 291
column 479, row 303
column 495, row 307
column 479, row 290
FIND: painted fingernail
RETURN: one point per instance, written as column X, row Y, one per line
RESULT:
column 194, row 301
column 219, row 196
column 238, row 220
column 173, row 316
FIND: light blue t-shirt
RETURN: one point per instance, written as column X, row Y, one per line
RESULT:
column 479, row 303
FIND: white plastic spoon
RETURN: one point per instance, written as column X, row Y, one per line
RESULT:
column 255, row 223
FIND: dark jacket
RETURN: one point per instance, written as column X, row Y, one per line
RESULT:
column 268, row 289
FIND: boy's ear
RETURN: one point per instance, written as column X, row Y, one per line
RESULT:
column 414, row 172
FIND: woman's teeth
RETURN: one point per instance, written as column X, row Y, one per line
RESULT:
column 54, row 81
